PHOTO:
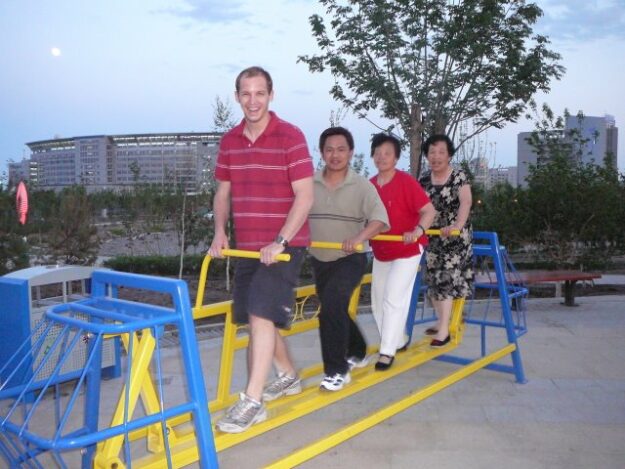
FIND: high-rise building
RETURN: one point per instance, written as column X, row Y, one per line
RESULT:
column 102, row 162
column 600, row 133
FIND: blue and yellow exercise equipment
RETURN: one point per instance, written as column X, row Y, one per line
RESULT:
column 181, row 435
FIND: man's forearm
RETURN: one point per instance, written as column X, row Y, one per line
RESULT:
column 296, row 218
column 298, row 214
column 373, row 228
column 221, row 212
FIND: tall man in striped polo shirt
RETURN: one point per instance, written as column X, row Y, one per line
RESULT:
column 264, row 170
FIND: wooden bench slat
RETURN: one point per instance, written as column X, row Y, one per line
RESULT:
column 569, row 277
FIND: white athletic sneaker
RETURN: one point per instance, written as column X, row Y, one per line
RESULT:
column 242, row 415
column 355, row 362
column 283, row 385
column 335, row 382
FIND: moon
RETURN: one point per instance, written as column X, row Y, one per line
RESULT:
column 55, row 51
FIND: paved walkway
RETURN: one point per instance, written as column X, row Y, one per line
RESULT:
column 610, row 279
column 570, row 413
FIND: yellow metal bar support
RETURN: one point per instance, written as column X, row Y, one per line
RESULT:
column 199, row 299
column 151, row 403
column 227, row 361
column 456, row 320
column 109, row 450
column 349, row 431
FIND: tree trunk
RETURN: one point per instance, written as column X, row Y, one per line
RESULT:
column 415, row 140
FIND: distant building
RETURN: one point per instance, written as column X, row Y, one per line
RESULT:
column 24, row 170
column 601, row 133
column 502, row 175
column 479, row 168
column 115, row 162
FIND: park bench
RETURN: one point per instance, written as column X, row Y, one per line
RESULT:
column 533, row 277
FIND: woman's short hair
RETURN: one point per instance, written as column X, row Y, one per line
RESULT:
column 332, row 131
column 381, row 138
column 432, row 139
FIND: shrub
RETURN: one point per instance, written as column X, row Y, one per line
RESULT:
column 164, row 265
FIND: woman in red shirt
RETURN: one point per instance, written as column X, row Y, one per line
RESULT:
column 395, row 264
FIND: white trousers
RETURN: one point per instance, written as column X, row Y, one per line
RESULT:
column 391, row 289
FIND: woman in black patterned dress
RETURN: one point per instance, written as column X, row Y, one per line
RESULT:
column 449, row 272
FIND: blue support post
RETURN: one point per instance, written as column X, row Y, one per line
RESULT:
column 502, row 283
column 485, row 245
column 92, row 394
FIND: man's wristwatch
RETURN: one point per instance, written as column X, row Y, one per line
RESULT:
column 281, row 240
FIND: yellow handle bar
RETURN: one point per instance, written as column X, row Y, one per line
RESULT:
column 331, row 245
column 401, row 238
column 252, row 254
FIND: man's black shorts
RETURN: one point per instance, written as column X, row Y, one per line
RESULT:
column 267, row 291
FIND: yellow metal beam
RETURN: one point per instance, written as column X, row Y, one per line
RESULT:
column 349, row 431
column 143, row 350
column 290, row 408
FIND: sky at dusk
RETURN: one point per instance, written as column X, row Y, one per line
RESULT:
column 73, row 67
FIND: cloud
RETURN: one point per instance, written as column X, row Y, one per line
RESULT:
column 582, row 20
column 231, row 68
column 210, row 11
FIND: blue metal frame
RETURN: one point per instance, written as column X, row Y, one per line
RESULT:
column 105, row 314
column 15, row 316
column 485, row 244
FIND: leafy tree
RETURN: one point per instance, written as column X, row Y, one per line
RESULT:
column 430, row 65
column 223, row 121
column 358, row 164
column 223, row 116
column 42, row 205
column 135, row 170
column 13, row 249
column 501, row 209
column 575, row 209
column 13, row 253
column 73, row 238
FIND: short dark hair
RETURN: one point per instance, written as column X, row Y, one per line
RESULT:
column 381, row 138
column 254, row 71
column 332, row 131
column 432, row 139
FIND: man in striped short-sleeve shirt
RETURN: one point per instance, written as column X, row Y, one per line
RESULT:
column 264, row 171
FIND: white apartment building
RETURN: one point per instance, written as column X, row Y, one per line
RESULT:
column 601, row 133
column 102, row 162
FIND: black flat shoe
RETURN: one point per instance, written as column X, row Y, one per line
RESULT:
column 440, row 343
column 381, row 366
column 404, row 347
column 431, row 331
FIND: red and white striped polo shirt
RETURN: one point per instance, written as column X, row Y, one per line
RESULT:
column 261, row 174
